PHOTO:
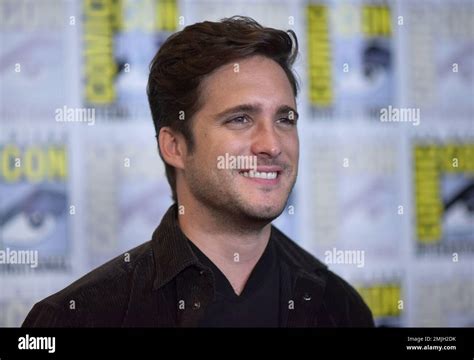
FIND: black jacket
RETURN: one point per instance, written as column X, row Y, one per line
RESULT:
column 161, row 283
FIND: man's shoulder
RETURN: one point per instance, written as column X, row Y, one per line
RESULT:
column 100, row 297
column 344, row 305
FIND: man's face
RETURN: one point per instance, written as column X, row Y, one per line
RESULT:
column 248, row 109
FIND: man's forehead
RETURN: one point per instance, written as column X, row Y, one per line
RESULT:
column 235, row 66
column 226, row 87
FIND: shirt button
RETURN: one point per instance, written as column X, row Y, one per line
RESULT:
column 196, row 305
column 306, row 297
column 201, row 272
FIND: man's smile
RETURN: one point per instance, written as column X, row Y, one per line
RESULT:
column 266, row 175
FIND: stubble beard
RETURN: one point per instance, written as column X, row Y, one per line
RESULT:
column 219, row 195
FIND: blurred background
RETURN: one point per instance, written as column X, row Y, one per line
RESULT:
column 385, row 194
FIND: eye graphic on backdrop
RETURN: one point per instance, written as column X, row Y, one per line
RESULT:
column 376, row 60
column 33, row 218
column 459, row 201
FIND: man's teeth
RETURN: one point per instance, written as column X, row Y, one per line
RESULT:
column 260, row 175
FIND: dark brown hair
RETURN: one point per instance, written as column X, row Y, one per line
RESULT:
column 186, row 57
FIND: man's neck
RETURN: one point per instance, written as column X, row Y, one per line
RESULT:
column 232, row 247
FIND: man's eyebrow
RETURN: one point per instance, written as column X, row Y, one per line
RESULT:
column 285, row 109
column 251, row 108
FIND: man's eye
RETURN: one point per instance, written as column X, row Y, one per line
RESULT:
column 239, row 120
column 287, row 121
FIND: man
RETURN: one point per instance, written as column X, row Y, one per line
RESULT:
column 218, row 90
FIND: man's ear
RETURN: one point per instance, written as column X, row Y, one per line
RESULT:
column 172, row 146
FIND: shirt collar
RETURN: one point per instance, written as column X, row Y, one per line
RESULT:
column 171, row 250
column 173, row 254
column 297, row 258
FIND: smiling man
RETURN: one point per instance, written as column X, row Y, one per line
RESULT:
column 218, row 90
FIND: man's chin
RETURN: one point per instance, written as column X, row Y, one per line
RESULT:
column 263, row 213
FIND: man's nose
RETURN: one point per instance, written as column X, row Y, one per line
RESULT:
column 266, row 141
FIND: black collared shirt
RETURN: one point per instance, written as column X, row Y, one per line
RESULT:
column 258, row 303
column 162, row 283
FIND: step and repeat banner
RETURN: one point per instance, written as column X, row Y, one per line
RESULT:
column 385, row 194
